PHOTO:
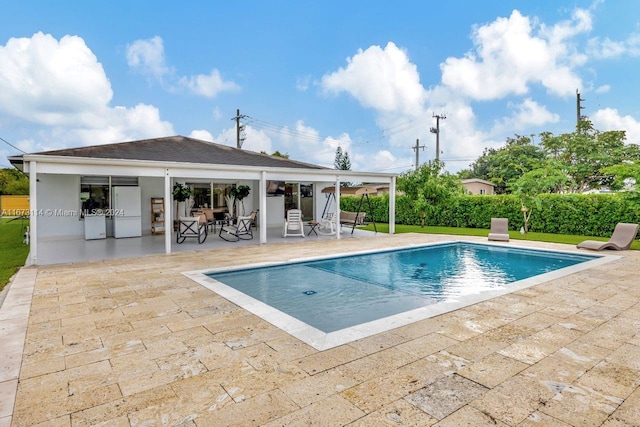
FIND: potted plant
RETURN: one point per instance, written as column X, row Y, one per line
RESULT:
column 239, row 193
column 180, row 194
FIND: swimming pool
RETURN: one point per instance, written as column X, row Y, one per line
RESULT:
column 327, row 302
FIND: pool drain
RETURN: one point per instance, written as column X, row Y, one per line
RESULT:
column 309, row 292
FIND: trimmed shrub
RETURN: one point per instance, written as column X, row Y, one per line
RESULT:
column 579, row 214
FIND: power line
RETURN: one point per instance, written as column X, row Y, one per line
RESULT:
column 12, row 146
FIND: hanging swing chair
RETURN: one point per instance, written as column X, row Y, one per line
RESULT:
column 350, row 218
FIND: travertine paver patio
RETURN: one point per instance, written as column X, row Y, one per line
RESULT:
column 133, row 342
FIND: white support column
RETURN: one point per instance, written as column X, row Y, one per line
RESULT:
column 33, row 217
column 168, row 207
column 392, row 205
column 262, row 193
column 337, row 194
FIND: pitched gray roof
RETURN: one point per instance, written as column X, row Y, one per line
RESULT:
column 179, row 149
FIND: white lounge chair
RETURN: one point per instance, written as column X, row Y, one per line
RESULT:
column 293, row 226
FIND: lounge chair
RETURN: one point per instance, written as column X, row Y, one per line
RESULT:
column 293, row 226
column 192, row 226
column 499, row 229
column 242, row 229
column 621, row 239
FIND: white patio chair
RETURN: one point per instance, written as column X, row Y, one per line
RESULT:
column 293, row 226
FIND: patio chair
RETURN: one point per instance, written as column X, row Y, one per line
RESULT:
column 499, row 229
column 241, row 230
column 327, row 225
column 621, row 239
column 192, row 226
column 293, row 226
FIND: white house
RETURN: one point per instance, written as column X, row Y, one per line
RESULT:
column 64, row 182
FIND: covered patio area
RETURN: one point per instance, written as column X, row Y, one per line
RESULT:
column 80, row 250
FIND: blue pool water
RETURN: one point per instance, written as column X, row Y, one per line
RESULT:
column 338, row 293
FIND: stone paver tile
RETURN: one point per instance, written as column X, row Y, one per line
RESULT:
column 626, row 355
column 324, row 360
column 449, row 361
column 426, row 371
column 377, row 392
column 398, row 413
column 47, row 366
column 492, row 370
column 419, row 329
column 332, row 411
column 513, row 400
column 115, row 410
column 376, row 364
column 476, row 348
column 539, row 419
column 378, row 342
column 247, row 384
column 125, row 337
column 290, row 348
column 252, row 412
column 7, row 397
column 611, row 379
column 581, row 406
column 137, row 384
column 320, row 386
column 63, row 421
column 469, row 416
column 446, row 395
column 427, row 344
column 202, row 392
column 629, row 411
column 581, row 355
column 539, row 345
column 550, row 371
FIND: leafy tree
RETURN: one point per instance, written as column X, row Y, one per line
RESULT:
column 428, row 186
column 503, row 166
column 627, row 173
column 587, row 152
column 277, row 154
column 548, row 179
column 13, row 182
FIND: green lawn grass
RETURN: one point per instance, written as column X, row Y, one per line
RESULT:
column 13, row 253
column 515, row 235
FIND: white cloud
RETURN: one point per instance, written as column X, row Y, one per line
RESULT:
column 60, row 86
column 51, row 82
column 603, row 89
column 202, row 134
column 611, row 119
column 147, row 57
column 509, row 56
column 526, row 114
column 302, row 83
column 208, row 85
column 255, row 140
column 607, row 48
column 382, row 79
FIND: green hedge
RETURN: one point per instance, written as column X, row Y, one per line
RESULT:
column 579, row 214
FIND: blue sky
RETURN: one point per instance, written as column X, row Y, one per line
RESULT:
column 312, row 76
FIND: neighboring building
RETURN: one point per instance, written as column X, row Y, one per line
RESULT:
column 478, row 186
column 66, row 183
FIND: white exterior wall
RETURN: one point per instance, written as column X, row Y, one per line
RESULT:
column 151, row 187
column 57, row 196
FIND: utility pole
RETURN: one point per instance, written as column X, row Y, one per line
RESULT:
column 239, row 129
column 578, row 108
column 417, row 148
column 436, row 130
